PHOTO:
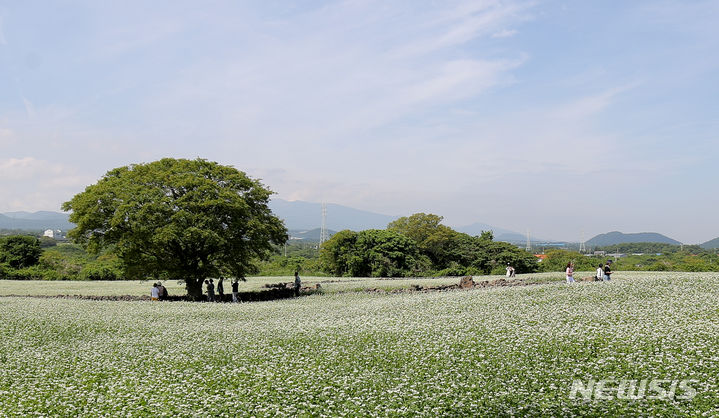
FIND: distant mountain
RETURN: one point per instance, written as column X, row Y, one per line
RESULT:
column 711, row 244
column 35, row 221
column 616, row 237
column 300, row 215
column 307, row 216
column 42, row 215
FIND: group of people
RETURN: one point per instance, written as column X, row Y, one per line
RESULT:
column 158, row 292
column 210, row 285
column 510, row 270
column 604, row 272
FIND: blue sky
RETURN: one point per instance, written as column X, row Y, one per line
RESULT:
column 553, row 116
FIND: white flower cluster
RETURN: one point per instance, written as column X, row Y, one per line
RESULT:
column 496, row 351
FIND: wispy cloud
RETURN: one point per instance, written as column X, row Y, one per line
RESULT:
column 35, row 184
column 29, row 108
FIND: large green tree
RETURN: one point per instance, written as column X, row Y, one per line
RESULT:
column 432, row 238
column 371, row 253
column 178, row 219
column 20, row 251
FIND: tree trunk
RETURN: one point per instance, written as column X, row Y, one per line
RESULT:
column 194, row 288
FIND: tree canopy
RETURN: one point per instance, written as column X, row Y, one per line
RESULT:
column 178, row 219
column 370, row 253
column 19, row 251
column 420, row 245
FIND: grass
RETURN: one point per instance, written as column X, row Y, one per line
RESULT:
column 498, row 351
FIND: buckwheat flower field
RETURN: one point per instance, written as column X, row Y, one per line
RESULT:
column 494, row 351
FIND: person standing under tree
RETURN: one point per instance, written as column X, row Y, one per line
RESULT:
column 298, row 283
column 221, row 289
column 235, row 290
column 210, row 290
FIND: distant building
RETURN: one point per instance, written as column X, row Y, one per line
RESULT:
column 600, row 252
column 53, row 233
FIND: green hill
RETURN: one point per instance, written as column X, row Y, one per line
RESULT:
column 616, row 237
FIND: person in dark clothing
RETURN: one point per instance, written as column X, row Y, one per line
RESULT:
column 163, row 291
column 607, row 270
column 210, row 290
column 221, row 289
column 235, row 290
column 298, row 283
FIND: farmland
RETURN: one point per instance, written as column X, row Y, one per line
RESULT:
column 500, row 350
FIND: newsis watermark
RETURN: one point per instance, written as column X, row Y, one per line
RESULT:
column 633, row 389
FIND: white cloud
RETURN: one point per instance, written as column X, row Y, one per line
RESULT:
column 29, row 108
column 33, row 184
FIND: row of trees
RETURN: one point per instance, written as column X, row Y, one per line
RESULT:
column 419, row 245
column 193, row 219
column 25, row 257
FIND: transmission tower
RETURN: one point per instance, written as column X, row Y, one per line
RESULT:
column 529, row 243
column 582, row 245
column 323, row 230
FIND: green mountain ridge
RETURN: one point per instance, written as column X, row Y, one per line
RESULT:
column 616, row 237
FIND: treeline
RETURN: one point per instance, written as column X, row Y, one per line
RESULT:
column 25, row 257
column 653, row 248
column 556, row 260
column 419, row 245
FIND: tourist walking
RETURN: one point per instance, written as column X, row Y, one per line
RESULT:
column 298, row 283
column 235, row 291
column 570, row 272
column 221, row 289
column 155, row 292
column 607, row 271
column 600, row 273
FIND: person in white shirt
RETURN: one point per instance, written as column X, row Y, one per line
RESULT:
column 155, row 292
column 600, row 272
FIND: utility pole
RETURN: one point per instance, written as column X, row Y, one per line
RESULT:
column 323, row 229
column 529, row 243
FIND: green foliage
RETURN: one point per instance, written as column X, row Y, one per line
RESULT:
column 20, row 251
column 432, row 238
column 279, row 265
column 337, row 253
column 46, row 242
column 557, row 260
column 371, row 253
column 650, row 248
column 432, row 249
column 180, row 219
